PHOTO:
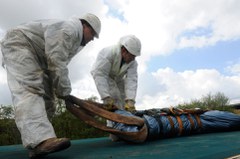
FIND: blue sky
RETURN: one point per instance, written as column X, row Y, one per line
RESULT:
column 190, row 48
column 218, row 56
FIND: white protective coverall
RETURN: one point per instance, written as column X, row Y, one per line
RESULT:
column 36, row 55
column 112, row 79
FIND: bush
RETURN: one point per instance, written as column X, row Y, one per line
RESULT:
column 9, row 132
column 67, row 125
column 211, row 102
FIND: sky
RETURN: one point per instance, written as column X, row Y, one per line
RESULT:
column 190, row 48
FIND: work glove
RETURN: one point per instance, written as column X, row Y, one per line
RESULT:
column 129, row 105
column 108, row 102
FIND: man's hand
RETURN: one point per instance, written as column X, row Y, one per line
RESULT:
column 108, row 102
column 129, row 105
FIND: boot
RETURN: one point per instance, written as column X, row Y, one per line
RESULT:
column 49, row 146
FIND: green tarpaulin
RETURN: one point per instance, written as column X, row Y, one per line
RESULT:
column 203, row 146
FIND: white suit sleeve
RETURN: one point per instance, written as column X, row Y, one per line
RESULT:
column 131, row 82
column 57, row 46
column 100, row 73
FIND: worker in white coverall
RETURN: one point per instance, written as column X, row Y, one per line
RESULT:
column 115, row 74
column 36, row 55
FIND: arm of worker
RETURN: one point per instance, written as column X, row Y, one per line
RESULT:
column 58, row 43
column 131, row 82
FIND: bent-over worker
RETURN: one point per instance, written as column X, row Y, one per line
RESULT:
column 115, row 73
column 36, row 55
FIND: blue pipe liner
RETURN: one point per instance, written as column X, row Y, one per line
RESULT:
column 159, row 126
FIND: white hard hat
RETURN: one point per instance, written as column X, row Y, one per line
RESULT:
column 132, row 44
column 93, row 21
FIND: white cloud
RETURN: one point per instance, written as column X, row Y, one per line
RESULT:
column 160, row 23
column 16, row 12
column 5, row 96
column 3, row 77
column 85, row 88
column 234, row 69
column 172, row 88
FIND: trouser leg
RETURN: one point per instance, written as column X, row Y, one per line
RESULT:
column 25, row 79
column 30, row 115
